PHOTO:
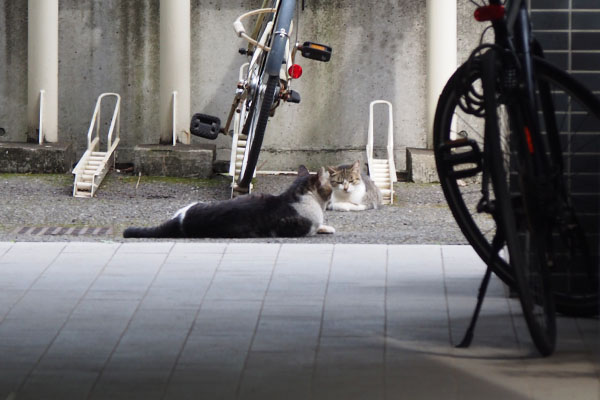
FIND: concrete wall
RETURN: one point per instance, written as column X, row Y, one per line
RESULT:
column 113, row 45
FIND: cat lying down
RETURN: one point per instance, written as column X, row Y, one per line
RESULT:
column 299, row 211
column 353, row 190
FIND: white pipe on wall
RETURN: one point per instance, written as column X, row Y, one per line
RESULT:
column 175, row 63
column 42, row 68
column 441, row 53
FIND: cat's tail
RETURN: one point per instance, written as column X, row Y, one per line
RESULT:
column 169, row 229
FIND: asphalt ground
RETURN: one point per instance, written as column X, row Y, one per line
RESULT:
column 42, row 208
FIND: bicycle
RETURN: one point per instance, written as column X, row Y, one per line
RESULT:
column 506, row 124
column 264, row 82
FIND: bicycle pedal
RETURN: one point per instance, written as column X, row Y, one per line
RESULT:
column 205, row 126
column 292, row 97
column 316, row 51
column 470, row 159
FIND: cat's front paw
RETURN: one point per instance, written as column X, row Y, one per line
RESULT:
column 339, row 206
column 347, row 206
column 326, row 229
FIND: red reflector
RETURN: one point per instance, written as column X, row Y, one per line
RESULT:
column 295, row 71
column 489, row 13
column 529, row 140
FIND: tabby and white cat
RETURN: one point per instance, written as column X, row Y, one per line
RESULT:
column 353, row 190
column 299, row 211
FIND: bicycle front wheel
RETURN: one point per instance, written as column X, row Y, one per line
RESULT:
column 254, row 129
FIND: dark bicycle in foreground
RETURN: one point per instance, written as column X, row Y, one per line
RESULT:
column 507, row 133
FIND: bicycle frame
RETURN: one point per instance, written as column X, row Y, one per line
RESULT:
column 513, row 33
column 258, row 45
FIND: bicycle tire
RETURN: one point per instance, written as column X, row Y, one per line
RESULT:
column 260, row 107
column 575, row 114
column 462, row 199
column 256, row 131
column 245, row 124
column 463, row 194
column 517, row 216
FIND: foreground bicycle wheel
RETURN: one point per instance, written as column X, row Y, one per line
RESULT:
column 458, row 148
column 521, row 222
column 570, row 126
column 574, row 274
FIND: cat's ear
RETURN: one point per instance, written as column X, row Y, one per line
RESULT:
column 302, row 171
column 356, row 165
column 331, row 170
column 323, row 176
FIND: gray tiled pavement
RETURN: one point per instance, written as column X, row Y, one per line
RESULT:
column 164, row 320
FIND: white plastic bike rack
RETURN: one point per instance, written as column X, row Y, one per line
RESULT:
column 382, row 171
column 94, row 164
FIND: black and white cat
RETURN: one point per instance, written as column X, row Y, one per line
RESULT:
column 299, row 211
column 353, row 190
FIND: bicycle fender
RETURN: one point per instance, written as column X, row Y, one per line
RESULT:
column 280, row 36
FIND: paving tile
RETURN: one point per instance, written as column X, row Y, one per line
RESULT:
column 144, row 248
column 194, row 384
column 246, row 257
column 233, row 285
column 80, row 349
column 152, row 340
column 4, row 247
column 359, row 263
column 10, row 380
column 363, row 382
column 130, row 385
column 254, row 249
column 8, row 298
column 589, row 329
column 223, row 317
column 173, row 298
column 293, row 309
column 354, row 320
column 301, row 289
column 214, row 356
column 416, row 309
column 198, row 249
column 91, row 249
column 58, row 384
column 287, row 333
column 189, row 263
column 277, row 376
column 337, row 354
column 304, row 259
column 495, row 329
column 26, row 251
column 209, row 367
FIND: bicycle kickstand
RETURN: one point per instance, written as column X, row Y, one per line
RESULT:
column 466, row 341
column 496, row 246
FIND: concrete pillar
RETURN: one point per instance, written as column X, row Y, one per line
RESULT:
column 42, row 68
column 175, row 56
column 441, row 53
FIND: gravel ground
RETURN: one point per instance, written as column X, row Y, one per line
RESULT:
column 419, row 214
